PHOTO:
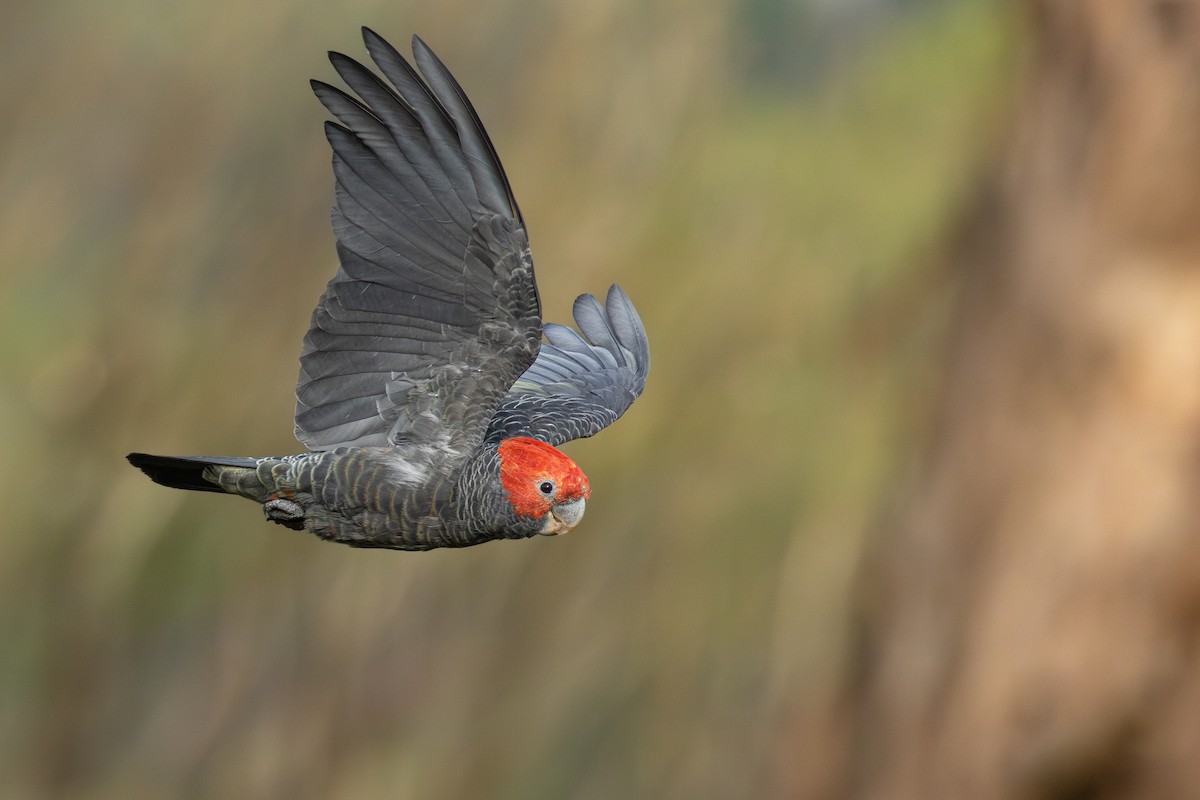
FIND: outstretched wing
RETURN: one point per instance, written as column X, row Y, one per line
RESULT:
column 579, row 385
column 433, row 313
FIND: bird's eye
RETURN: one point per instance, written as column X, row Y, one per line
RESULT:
column 546, row 488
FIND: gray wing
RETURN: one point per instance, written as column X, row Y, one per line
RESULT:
column 579, row 385
column 434, row 312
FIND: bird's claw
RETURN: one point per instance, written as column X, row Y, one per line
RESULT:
column 286, row 512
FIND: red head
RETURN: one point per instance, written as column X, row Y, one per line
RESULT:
column 542, row 483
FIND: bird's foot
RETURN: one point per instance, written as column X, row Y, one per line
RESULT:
column 286, row 512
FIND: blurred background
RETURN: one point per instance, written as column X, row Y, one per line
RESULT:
column 808, row 201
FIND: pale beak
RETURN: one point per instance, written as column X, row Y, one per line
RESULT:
column 563, row 517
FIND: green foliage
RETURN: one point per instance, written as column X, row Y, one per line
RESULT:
column 164, row 188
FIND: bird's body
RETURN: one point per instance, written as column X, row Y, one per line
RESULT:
column 428, row 402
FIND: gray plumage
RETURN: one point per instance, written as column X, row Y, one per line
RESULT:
column 424, row 360
column 579, row 384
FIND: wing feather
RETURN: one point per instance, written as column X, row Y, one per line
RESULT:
column 582, row 381
column 430, row 329
column 434, row 312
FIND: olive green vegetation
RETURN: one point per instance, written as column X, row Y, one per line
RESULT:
column 164, row 190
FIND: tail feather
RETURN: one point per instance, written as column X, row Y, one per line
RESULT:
column 186, row 472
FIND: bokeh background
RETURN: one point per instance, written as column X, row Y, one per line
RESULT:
column 775, row 182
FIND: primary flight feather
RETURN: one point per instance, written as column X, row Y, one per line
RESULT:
column 427, row 399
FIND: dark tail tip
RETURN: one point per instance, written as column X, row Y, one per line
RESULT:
column 174, row 471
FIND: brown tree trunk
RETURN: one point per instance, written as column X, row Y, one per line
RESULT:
column 1030, row 617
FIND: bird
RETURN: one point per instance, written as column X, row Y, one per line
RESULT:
column 431, row 399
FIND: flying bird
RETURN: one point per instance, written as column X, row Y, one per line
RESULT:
column 428, row 402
